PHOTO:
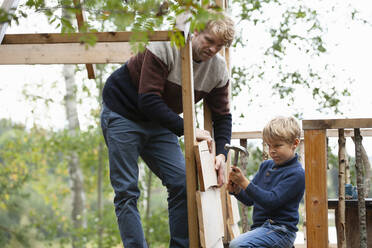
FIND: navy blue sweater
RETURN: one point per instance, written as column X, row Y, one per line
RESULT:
column 275, row 193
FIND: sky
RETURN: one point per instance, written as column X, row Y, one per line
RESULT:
column 349, row 55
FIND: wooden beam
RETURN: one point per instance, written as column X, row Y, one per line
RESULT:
column 337, row 123
column 330, row 133
column 53, row 38
column 9, row 6
column 80, row 21
column 190, row 141
column 316, row 189
column 101, row 53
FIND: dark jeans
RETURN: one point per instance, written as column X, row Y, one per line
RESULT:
column 159, row 148
column 267, row 235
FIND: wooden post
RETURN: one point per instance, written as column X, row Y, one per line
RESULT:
column 302, row 160
column 243, row 207
column 80, row 21
column 340, row 223
column 366, row 168
column 265, row 151
column 360, row 184
column 316, row 188
column 190, row 141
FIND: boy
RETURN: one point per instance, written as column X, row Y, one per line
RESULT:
column 276, row 190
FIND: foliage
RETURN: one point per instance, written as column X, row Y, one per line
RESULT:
column 294, row 28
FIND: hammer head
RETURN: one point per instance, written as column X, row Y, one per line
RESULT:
column 236, row 148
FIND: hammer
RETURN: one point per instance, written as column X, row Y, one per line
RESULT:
column 237, row 149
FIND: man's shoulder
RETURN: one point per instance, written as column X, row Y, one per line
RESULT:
column 164, row 51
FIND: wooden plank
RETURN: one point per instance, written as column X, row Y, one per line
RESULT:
column 330, row 133
column 316, row 188
column 337, row 123
column 54, row 38
column 205, row 163
column 233, row 230
column 101, row 53
column 9, row 6
column 210, row 218
column 80, row 21
column 233, row 209
column 190, row 141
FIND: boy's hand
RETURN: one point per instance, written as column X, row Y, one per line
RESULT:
column 233, row 188
column 219, row 165
column 237, row 177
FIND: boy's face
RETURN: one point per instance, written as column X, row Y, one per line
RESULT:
column 205, row 45
column 281, row 151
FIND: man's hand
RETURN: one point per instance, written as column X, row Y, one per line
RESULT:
column 204, row 135
column 219, row 165
column 237, row 177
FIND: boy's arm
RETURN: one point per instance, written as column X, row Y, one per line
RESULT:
column 243, row 197
column 292, row 184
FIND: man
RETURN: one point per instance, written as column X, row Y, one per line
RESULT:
column 140, row 117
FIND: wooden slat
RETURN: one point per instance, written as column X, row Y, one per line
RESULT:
column 330, row 133
column 53, row 38
column 9, row 6
column 234, row 216
column 247, row 135
column 316, row 188
column 205, row 163
column 210, row 218
column 101, row 53
column 80, row 21
column 337, row 123
column 190, row 141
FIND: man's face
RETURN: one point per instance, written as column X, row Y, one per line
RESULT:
column 205, row 45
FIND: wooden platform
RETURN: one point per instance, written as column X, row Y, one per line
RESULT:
column 352, row 220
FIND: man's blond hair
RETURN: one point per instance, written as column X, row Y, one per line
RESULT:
column 222, row 27
column 282, row 128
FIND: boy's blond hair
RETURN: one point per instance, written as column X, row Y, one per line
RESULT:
column 223, row 27
column 282, row 128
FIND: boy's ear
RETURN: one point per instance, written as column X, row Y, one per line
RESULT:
column 296, row 142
